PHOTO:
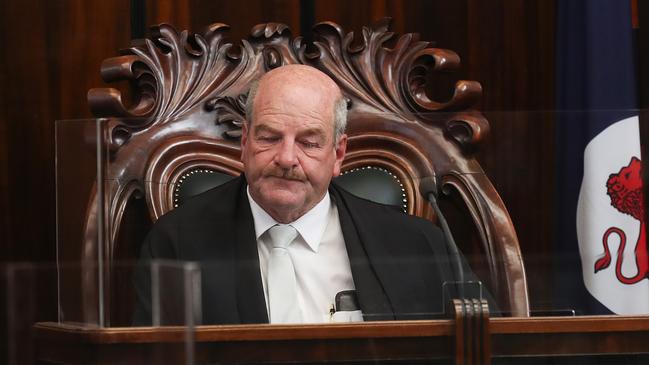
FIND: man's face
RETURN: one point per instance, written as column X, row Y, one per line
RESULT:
column 288, row 150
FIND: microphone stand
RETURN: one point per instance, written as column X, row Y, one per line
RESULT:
column 429, row 190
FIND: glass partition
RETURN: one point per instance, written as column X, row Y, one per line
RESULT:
column 557, row 210
column 171, row 293
column 80, row 160
column 534, row 177
column 175, row 294
column 572, row 185
column 32, row 334
column 556, row 192
column 25, row 290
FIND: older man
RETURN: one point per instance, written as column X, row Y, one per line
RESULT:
column 279, row 243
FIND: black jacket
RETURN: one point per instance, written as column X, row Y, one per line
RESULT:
column 398, row 262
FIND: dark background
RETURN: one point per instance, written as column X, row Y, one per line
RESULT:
column 52, row 51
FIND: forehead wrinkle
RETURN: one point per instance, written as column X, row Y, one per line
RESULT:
column 309, row 131
column 301, row 75
column 286, row 89
column 292, row 93
column 264, row 127
column 272, row 110
column 268, row 126
column 277, row 113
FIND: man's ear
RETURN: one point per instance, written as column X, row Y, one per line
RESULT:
column 340, row 150
column 244, row 137
column 244, row 133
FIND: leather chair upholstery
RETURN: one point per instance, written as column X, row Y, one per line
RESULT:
column 371, row 183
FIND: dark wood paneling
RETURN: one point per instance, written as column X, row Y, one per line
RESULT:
column 175, row 12
column 508, row 46
column 195, row 15
column 52, row 52
column 5, row 231
column 511, row 52
column 52, row 58
column 519, row 160
column 54, row 49
column 28, row 172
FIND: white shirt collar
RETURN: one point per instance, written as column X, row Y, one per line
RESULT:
column 311, row 225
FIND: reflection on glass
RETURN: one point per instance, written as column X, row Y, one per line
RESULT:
column 26, row 291
column 108, row 201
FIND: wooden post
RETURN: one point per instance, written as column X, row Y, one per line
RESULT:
column 472, row 336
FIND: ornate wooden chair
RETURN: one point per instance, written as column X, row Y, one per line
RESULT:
column 181, row 135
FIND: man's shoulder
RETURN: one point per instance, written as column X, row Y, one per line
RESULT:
column 215, row 201
column 188, row 230
column 380, row 213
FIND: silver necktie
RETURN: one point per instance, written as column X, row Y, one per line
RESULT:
column 282, row 285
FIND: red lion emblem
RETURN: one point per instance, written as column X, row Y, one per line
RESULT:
column 625, row 190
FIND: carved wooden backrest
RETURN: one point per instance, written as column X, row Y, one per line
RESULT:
column 189, row 91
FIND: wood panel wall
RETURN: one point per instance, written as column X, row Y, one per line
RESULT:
column 50, row 58
column 53, row 50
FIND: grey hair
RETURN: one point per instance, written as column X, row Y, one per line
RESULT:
column 252, row 93
column 340, row 111
column 340, row 117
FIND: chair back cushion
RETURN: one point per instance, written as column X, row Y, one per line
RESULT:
column 371, row 183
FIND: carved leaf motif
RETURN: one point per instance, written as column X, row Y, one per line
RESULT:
column 273, row 41
column 388, row 79
column 171, row 74
column 229, row 111
column 175, row 73
column 467, row 129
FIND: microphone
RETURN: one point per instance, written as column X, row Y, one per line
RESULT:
column 428, row 188
column 346, row 301
column 346, row 307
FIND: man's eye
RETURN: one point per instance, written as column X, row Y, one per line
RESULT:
column 268, row 138
column 310, row 144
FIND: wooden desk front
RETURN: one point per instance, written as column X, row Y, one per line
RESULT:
column 409, row 342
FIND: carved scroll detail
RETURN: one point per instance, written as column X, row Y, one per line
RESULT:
column 230, row 111
column 171, row 73
column 467, row 129
column 388, row 79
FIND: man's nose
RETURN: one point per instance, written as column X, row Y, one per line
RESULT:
column 286, row 156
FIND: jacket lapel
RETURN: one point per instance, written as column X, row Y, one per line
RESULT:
column 250, row 292
column 406, row 257
column 371, row 294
